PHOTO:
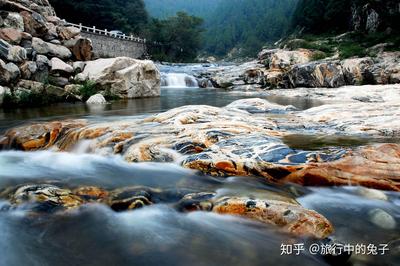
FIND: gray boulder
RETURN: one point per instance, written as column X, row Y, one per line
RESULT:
column 317, row 74
column 124, row 77
column 96, row 99
column 49, row 49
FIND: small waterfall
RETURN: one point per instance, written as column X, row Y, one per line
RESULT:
column 178, row 80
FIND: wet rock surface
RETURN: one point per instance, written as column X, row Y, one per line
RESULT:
column 232, row 141
column 288, row 217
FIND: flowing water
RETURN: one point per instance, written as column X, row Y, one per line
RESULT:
column 159, row 235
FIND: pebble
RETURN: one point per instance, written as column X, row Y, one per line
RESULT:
column 370, row 193
column 382, row 219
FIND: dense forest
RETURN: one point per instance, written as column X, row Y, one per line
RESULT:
column 344, row 15
column 180, row 35
column 166, row 8
column 126, row 15
column 246, row 24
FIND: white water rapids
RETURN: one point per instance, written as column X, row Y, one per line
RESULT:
column 178, row 80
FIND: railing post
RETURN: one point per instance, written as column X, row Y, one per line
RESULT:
column 106, row 33
column 80, row 26
column 94, row 29
column 123, row 36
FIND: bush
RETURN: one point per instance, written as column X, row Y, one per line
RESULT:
column 29, row 99
column 318, row 55
column 351, row 49
column 87, row 89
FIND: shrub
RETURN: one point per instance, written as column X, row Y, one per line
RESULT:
column 351, row 49
column 318, row 55
column 87, row 89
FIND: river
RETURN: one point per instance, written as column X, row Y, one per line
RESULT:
column 158, row 234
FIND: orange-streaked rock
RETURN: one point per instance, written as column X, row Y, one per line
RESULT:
column 290, row 218
column 376, row 166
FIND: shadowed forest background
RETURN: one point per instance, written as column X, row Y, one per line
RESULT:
column 189, row 28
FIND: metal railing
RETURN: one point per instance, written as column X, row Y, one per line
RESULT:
column 106, row 33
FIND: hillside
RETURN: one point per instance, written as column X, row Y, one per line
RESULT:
column 167, row 8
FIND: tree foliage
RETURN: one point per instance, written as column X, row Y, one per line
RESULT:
column 332, row 16
column 180, row 37
column 129, row 16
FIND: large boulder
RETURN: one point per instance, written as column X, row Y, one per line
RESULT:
column 43, row 65
column 83, row 49
column 34, row 23
column 9, row 73
column 59, row 66
column 284, row 59
column 67, row 33
column 11, row 35
column 124, row 77
column 28, row 69
column 13, row 53
column 317, row 74
column 49, row 49
column 96, row 99
column 357, row 71
column 3, row 92
column 13, row 20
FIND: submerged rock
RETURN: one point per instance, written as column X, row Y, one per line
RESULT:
column 45, row 198
column 382, row 219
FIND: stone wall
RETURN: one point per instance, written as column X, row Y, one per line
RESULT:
column 105, row 46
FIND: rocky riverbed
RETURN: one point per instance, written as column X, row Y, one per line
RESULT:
column 252, row 138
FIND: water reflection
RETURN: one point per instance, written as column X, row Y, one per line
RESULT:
column 170, row 98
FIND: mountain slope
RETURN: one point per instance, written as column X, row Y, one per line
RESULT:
column 168, row 8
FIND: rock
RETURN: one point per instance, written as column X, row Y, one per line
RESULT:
column 45, row 198
column 14, row 20
column 284, row 59
column 67, row 33
column 83, row 49
column 58, row 81
column 260, row 106
column 12, row 53
column 357, row 71
column 11, row 35
column 317, row 74
column 51, row 34
column 31, row 85
column 43, row 65
column 28, row 69
column 289, row 217
column 124, row 77
column 3, row 92
column 54, row 20
column 382, row 219
column 49, row 49
column 372, row 167
column 34, row 24
column 96, row 99
column 34, row 137
column 91, row 193
column 59, row 66
column 73, row 89
column 370, row 193
column 9, row 73
column 56, row 42
column 130, row 198
column 78, row 66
